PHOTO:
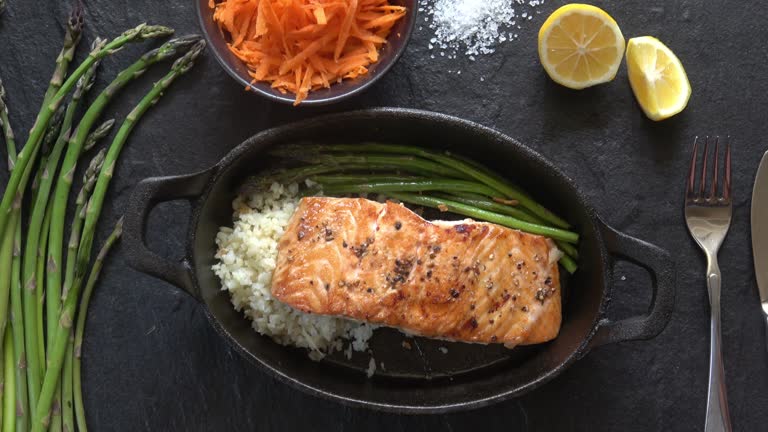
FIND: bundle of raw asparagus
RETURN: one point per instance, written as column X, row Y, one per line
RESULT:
column 42, row 293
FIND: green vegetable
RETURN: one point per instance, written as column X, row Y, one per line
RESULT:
column 9, row 384
column 67, row 390
column 82, row 313
column 14, row 191
column 456, row 165
column 77, row 142
column 93, row 209
column 490, row 205
column 486, row 191
column 32, row 276
column 31, row 299
column 293, row 175
column 89, row 181
column 568, row 264
column 17, row 305
column 71, row 40
column 466, row 210
column 14, row 276
column 406, row 163
column 17, row 325
column 53, row 291
column 6, row 241
column 446, row 185
column 98, row 133
column 493, row 206
column 362, row 178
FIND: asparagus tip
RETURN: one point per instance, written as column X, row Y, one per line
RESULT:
column 53, row 129
column 172, row 47
column 185, row 63
column 76, row 19
column 145, row 31
column 100, row 132
column 95, row 165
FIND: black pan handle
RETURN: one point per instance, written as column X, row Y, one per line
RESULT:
column 146, row 195
column 659, row 264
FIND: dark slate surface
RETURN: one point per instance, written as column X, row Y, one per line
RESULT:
column 152, row 361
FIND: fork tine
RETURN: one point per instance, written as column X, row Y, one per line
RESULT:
column 689, row 194
column 727, row 185
column 703, row 178
column 715, row 170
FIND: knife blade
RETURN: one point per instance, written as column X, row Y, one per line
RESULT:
column 759, row 222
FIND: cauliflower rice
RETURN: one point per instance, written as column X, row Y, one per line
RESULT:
column 247, row 255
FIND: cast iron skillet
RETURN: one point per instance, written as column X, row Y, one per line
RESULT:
column 422, row 379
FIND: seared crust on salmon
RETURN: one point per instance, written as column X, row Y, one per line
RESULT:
column 382, row 263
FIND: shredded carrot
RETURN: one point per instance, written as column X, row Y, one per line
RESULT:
column 303, row 45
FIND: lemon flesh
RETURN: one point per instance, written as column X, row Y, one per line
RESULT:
column 580, row 46
column 657, row 78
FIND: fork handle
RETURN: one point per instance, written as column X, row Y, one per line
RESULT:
column 718, row 419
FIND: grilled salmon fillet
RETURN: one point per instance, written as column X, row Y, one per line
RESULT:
column 382, row 263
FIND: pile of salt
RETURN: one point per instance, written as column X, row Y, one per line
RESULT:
column 474, row 26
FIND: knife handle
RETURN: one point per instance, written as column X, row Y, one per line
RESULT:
column 766, row 332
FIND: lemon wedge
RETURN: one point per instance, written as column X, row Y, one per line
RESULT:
column 657, row 78
column 580, row 46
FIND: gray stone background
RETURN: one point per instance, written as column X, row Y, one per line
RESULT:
column 152, row 361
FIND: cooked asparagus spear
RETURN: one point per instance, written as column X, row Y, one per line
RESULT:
column 447, row 161
column 455, row 207
column 447, row 185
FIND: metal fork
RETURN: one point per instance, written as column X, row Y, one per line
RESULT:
column 708, row 216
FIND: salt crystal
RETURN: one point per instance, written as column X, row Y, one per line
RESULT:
column 473, row 26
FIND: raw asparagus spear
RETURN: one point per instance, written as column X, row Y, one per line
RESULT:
column 76, row 143
column 93, row 209
column 89, row 181
column 71, row 39
column 82, row 312
column 15, row 189
column 14, row 284
column 33, row 331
